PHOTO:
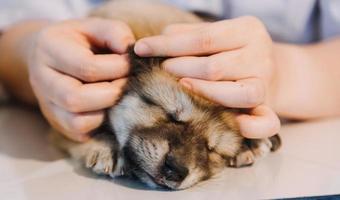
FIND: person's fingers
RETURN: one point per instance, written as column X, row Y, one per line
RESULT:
column 73, row 96
column 212, row 38
column 89, row 97
column 82, row 64
column 245, row 93
column 261, row 123
column 94, row 68
column 113, row 34
column 68, row 47
column 75, row 126
column 182, row 27
column 229, row 65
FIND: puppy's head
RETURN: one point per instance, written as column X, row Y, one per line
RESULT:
column 176, row 155
column 168, row 136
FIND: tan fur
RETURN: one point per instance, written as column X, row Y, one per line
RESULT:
column 145, row 17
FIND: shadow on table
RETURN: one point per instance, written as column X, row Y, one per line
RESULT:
column 23, row 134
column 125, row 181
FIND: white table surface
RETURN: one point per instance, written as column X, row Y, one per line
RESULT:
column 30, row 168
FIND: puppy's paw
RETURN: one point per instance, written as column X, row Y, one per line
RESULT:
column 100, row 158
column 242, row 159
column 253, row 150
column 98, row 154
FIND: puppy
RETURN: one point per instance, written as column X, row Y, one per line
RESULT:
column 160, row 132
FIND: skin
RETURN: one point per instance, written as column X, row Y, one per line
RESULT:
column 233, row 62
column 71, row 84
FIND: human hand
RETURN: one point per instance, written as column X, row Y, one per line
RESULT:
column 229, row 62
column 72, row 84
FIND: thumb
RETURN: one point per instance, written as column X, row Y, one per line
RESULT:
column 112, row 34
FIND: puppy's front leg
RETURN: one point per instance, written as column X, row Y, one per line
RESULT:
column 99, row 153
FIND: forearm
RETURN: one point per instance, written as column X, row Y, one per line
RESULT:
column 14, row 45
column 307, row 81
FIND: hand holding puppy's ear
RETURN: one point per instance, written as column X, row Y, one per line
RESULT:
column 229, row 62
column 72, row 83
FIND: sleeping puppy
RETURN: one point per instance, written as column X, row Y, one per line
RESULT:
column 160, row 132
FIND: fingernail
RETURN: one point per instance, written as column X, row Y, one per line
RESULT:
column 142, row 49
column 186, row 84
column 171, row 66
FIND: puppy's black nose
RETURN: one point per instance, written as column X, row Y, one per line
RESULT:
column 172, row 171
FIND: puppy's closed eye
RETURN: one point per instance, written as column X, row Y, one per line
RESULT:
column 148, row 101
column 172, row 117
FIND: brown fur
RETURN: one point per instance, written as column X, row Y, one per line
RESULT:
column 159, row 131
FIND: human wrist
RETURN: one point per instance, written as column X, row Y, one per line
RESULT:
column 284, row 93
